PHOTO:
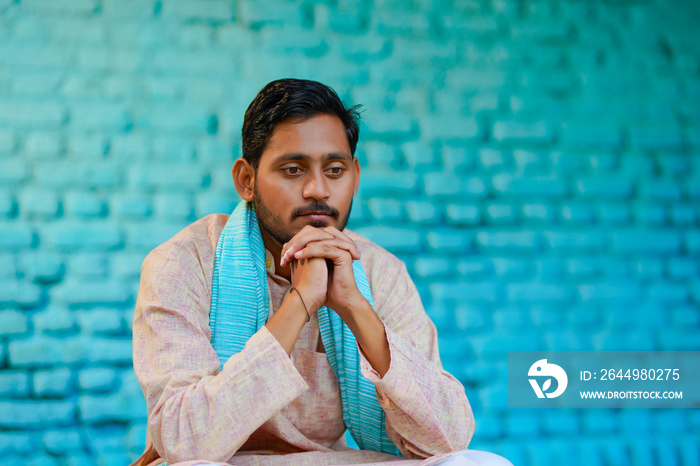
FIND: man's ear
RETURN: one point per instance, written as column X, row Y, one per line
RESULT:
column 244, row 179
column 356, row 164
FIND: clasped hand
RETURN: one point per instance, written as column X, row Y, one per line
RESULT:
column 321, row 261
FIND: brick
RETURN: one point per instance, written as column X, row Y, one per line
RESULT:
column 649, row 214
column 59, row 442
column 681, row 267
column 463, row 214
column 576, row 213
column 8, row 205
column 519, row 132
column 479, row 26
column 71, row 235
column 107, row 321
column 537, row 292
column 492, row 346
column 101, row 116
column 39, row 203
column 422, row 212
column 539, row 186
column 121, row 407
column 147, row 235
column 258, row 14
column 660, row 189
column 497, row 213
column 8, row 270
column 445, row 185
column 536, row 212
column 13, row 323
column 59, row 6
column 87, row 265
column 463, row 291
column 390, row 126
column 97, row 379
column 575, row 240
column 31, row 114
column 607, row 135
column 432, row 267
column 82, row 293
column 674, row 165
column 20, row 293
column 52, row 383
column 510, row 269
column 397, row 240
column 380, row 156
column 491, row 159
column 136, row 438
column 41, row 351
column 176, row 149
column 683, row 215
column 685, row 316
column 131, row 205
column 84, row 205
column 507, row 240
column 418, row 155
column 448, row 241
column 13, row 384
column 456, row 158
column 613, row 213
column 44, row 145
column 649, row 267
column 452, row 128
column 127, row 265
column 692, row 241
column 376, row 183
column 199, row 10
column 13, row 442
column 603, row 163
column 181, row 177
column 8, row 142
column 109, row 350
column 42, row 267
column 635, row 421
column 522, row 425
column 646, row 241
column 386, row 210
column 656, row 137
column 666, row 291
column 474, row 79
column 619, row 188
column 609, row 292
column 29, row 414
column 209, row 203
column 130, row 146
column 54, row 320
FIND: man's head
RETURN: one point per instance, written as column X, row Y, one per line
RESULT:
column 298, row 164
column 285, row 99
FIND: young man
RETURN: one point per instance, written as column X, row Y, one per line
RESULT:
column 260, row 337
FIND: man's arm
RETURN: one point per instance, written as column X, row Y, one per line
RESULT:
column 427, row 409
column 196, row 410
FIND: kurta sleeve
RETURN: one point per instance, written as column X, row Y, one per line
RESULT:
column 426, row 408
column 196, row 410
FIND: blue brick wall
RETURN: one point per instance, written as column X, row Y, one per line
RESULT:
column 535, row 163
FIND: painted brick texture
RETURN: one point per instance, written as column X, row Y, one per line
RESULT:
column 535, row 163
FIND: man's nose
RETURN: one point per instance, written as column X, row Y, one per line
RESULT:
column 316, row 187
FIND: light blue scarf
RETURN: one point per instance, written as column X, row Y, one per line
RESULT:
column 240, row 307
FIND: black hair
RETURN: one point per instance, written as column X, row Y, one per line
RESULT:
column 291, row 98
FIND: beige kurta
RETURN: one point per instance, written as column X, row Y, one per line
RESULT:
column 265, row 407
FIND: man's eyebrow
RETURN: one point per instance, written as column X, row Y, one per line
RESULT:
column 306, row 158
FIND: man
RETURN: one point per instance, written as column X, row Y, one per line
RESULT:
column 260, row 337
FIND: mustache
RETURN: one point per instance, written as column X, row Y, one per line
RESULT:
column 316, row 207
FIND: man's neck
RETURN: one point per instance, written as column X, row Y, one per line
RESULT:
column 275, row 249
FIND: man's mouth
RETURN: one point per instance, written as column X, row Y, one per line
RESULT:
column 318, row 212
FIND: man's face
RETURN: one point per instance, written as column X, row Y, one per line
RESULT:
column 306, row 176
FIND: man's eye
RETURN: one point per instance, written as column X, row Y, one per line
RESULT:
column 292, row 170
column 336, row 170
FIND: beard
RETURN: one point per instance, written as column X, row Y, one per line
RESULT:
column 273, row 224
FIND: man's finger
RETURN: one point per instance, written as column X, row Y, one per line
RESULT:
column 302, row 239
